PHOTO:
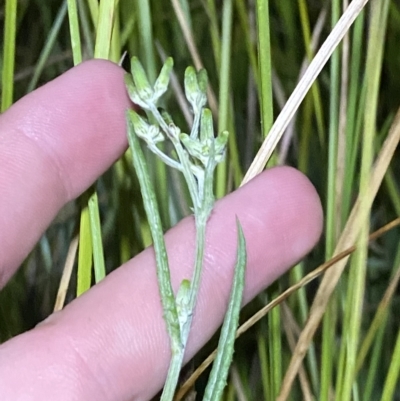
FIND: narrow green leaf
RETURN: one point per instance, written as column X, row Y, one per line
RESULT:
column 8, row 54
column 94, row 11
column 90, row 229
column 74, row 31
column 264, row 59
column 104, row 28
column 97, row 243
column 392, row 378
column 225, row 88
column 50, row 43
column 146, row 39
column 220, row 369
column 275, row 348
column 84, row 276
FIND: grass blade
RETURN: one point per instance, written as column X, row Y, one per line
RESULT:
column 9, row 54
column 223, row 112
column 84, row 275
column 74, row 31
column 98, row 253
column 104, row 29
column 51, row 40
column 264, row 60
column 302, row 88
column 393, row 374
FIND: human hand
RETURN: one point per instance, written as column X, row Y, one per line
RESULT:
column 111, row 343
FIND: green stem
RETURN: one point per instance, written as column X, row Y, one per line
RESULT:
column 177, row 358
column 151, row 208
column 182, row 156
column 197, row 165
column 164, row 158
column 200, row 245
column 173, row 375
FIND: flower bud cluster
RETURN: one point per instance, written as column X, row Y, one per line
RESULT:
column 198, row 153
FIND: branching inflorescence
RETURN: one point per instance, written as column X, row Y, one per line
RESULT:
column 197, row 156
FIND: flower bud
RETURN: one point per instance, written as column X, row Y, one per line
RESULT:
column 162, row 82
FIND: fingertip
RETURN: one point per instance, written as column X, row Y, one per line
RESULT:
column 302, row 208
column 281, row 219
column 54, row 143
column 77, row 119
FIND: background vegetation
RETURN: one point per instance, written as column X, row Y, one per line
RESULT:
column 254, row 51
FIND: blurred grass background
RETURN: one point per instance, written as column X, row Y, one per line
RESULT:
column 254, row 51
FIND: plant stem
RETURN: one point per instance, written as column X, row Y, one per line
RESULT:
column 194, row 289
column 197, row 157
column 182, row 155
column 150, row 205
column 177, row 358
column 172, row 376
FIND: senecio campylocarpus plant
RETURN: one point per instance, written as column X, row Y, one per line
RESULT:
column 197, row 155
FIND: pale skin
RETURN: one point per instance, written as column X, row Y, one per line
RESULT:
column 111, row 343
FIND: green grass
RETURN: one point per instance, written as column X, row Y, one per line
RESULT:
column 252, row 55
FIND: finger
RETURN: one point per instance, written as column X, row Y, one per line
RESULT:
column 111, row 343
column 53, row 144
